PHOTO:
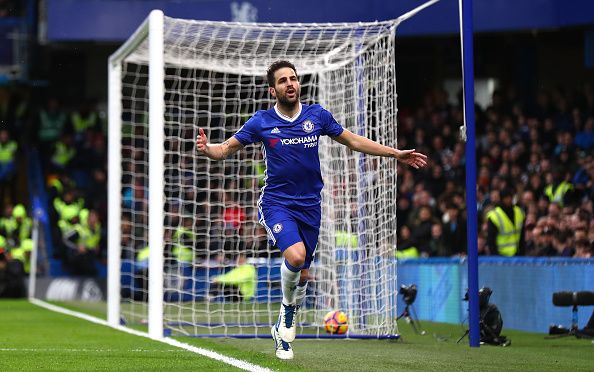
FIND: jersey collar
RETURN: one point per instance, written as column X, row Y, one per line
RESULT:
column 284, row 117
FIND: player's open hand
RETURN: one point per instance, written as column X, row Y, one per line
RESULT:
column 412, row 158
column 201, row 141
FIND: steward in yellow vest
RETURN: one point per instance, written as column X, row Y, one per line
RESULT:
column 8, row 150
column 23, row 253
column 8, row 147
column 64, row 152
column 183, row 242
column 505, row 234
column 556, row 192
column 244, row 277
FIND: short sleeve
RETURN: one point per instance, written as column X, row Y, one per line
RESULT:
column 249, row 132
column 329, row 125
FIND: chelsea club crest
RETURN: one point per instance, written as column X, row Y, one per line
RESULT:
column 308, row 126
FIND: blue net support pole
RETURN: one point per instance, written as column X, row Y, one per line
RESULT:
column 466, row 31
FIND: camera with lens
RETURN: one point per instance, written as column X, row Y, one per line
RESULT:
column 409, row 293
column 491, row 322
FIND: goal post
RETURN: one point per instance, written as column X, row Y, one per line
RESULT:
column 178, row 221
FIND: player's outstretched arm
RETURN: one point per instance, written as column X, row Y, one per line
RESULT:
column 359, row 143
column 217, row 151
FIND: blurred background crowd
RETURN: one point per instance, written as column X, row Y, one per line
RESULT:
column 535, row 151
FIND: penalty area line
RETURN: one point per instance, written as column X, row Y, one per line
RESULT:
column 194, row 349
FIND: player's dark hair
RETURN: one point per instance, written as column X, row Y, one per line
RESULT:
column 275, row 67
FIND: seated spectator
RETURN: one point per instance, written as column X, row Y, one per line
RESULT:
column 421, row 230
column 583, row 249
column 12, row 284
column 22, row 253
column 454, row 231
column 8, row 153
column 406, row 247
column 437, row 244
column 585, row 138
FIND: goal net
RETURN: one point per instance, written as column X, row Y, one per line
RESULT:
column 178, row 220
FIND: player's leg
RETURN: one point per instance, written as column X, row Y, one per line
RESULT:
column 294, row 258
column 301, row 288
column 309, row 232
column 295, row 271
column 283, row 233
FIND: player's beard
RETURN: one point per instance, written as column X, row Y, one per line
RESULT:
column 288, row 103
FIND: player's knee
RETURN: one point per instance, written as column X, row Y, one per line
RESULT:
column 296, row 260
column 295, row 255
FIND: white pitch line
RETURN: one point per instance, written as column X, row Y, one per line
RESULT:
column 198, row 350
column 53, row 350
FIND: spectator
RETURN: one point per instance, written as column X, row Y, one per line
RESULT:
column 585, row 138
column 64, row 153
column 11, row 274
column 406, row 247
column 8, row 153
column 85, row 118
column 583, row 249
column 183, row 242
column 238, row 284
column 557, row 188
column 421, row 230
column 437, row 244
column 52, row 123
column 454, row 231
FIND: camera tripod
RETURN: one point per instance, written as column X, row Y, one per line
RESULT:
column 559, row 331
column 407, row 314
column 573, row 300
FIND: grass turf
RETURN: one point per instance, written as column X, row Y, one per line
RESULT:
column 35, row 338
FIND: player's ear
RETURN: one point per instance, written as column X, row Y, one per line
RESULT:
column 272, row 91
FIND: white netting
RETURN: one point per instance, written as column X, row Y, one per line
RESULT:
column 215, row 79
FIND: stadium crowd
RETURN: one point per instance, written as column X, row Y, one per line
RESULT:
column 539, row 154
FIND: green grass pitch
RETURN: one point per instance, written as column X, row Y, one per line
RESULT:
column 32, row 338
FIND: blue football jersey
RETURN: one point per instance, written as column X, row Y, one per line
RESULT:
column 290, row 151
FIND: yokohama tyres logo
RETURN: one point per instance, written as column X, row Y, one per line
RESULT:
column 299, row 140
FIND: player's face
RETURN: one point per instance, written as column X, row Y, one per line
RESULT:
column 286, row 87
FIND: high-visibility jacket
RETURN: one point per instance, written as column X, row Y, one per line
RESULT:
column 23, row 253
column 142, row 258
column 410, row 252
column 63, row 154
column 24, row 225
column 259, row 171
column 7, row 151
column 508, row 232
column 558, row 193
column 345, row 239
column 56, row 184
column 181, row 252
column 89, row 236
column 68, row 211
column 81, row 124
column 244, row 277
column 51, row 126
